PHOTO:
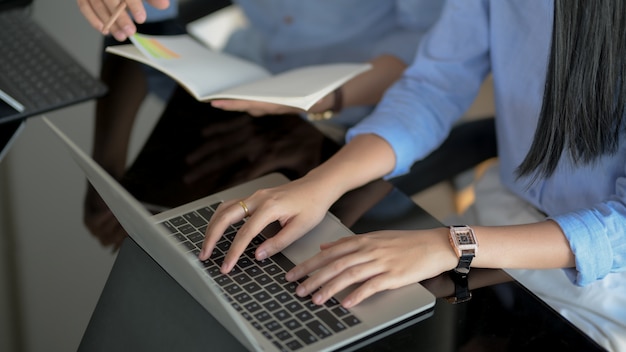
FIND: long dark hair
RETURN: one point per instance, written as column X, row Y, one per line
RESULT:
column 585, row 88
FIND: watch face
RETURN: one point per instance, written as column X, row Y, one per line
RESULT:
column 465, row 237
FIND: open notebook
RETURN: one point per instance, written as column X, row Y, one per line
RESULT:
column 254, row 302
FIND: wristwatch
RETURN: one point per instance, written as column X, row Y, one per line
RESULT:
column 465, row 245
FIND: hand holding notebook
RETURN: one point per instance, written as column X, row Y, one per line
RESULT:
column 207, row 74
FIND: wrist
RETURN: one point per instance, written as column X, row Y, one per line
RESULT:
column 327, row 107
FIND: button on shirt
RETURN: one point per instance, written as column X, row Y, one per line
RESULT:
column 510, row 39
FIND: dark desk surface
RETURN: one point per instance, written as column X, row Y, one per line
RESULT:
column 143, row 308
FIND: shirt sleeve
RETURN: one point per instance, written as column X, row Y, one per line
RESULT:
column 596, row 237
column 154, row 15
column 416, row 113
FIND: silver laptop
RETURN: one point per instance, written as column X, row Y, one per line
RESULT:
column 254, row 302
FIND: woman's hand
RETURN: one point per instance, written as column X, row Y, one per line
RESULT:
column 254, row 108
column 377, row 261
column 298, row 206
column 99, row 12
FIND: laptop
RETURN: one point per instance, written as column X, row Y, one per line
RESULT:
column 36, row 74
column 254, row 302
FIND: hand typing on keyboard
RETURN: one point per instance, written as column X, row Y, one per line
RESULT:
column 284, row 204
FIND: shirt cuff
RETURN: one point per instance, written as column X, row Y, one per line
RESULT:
column 590, row 244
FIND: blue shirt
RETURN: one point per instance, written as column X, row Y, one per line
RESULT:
column 154, row 15
column 510, row 39
column 284, row 34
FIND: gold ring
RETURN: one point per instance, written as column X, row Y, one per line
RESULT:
column 245, row 209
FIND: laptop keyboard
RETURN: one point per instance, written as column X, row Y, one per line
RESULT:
column 36, row 71
column 258, row 289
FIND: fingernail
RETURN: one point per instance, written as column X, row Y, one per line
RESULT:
column 129, row 30
column 224, row 268
column 300, row 291
column 317, row 298
column 119, row 36
column 289, row 276
column 261, row 254
column 347, row 303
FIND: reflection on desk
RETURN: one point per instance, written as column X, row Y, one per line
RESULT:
column 193, row 152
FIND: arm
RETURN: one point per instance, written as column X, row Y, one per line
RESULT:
column 365, row 89
column 390, row 259
column 391, row 135
column 300, row 205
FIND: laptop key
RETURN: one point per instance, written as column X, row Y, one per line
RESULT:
column 261, row 296
column 178, row 221
column 283, row 261
column 351, row 320
column 251, row 287
column 273, row 288
column 223, row 280
column 271, row 305
column 304, row 316
column 241, row 278
column 293, row 306
column 252, row 307
column 294, row 345
column 340, row 311
column 272, row 325
column 186, row 229
column 233, row 289
column 292, row 324
column 283, row 335
column 331, row 321
column 318, row 329
column 253, row 271
column 194, row 219
column 262, row 316
column 272, row 269
column 196, row 237
column 206, row 213
column 284, row 297
column 306, row 336
column 263, row 279
column 243, row 297
column 282, row 315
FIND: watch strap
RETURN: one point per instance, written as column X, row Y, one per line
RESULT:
column 463, row 267
column 462, row 292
